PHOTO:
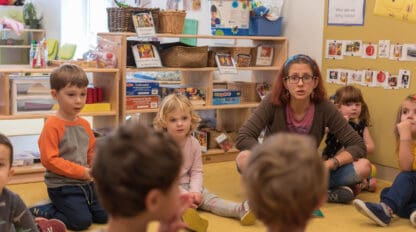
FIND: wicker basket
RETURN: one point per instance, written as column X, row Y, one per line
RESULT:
column 233, row 51
column 172, row 21
column 120, row 18
column 184, row 56
column 248, row 91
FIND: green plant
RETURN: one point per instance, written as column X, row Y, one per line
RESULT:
column 30, row 16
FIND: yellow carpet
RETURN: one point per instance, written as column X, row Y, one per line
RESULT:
column 223, row 179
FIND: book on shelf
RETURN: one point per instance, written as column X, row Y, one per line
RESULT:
column 202, row 137
column 195, row 95
column 146, row 55
column 144, row 24
column 225, row 63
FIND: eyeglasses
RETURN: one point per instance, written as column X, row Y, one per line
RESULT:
column 294, row 79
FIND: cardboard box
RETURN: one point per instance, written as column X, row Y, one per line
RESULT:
column 142, row 102
column 142, row 88
column 226, row 96
column 195, row 95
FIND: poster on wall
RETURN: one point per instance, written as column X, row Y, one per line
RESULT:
column 402, row 10
column 346, row 12
column 230, row 17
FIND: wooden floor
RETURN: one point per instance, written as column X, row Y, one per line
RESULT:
column 222, row 178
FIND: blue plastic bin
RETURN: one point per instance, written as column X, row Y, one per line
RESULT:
column 259, row 25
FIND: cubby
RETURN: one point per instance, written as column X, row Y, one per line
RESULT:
column 107, row 79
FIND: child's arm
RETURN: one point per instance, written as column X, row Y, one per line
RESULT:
column 51, row 160
column 368, row 140
column 406, row 158
column 22, row 218
column 195, row 172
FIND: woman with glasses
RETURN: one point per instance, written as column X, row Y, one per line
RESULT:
column 298, row 103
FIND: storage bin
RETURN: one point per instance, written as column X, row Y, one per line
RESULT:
column 119, row 19
column 172, row 21
column 260, row 25
column 181, row 56
column 30, row 95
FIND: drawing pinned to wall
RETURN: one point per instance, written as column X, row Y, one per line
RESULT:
column 392, row 82
column 396, row 51
column 343, row 76
column 404, row 78
column 369, row 78
column 356, row 77
column 172, row 4
column 409, row 52
column 334, row 49
column 369, row 51
column 332, row 76
column 382, row 78
column 403, row 10
column 352, row 47
column 384, row 48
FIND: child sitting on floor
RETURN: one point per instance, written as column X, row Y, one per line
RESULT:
column 400, row 198
column 14, row 215
column 285, row 181
column 136, row 171
column 177, row 117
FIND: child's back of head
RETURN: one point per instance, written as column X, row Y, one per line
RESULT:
column 285, row 181
column 130, row 163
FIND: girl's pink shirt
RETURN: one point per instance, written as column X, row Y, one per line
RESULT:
column 191, row 171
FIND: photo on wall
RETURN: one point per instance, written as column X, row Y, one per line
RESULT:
column 333, row 49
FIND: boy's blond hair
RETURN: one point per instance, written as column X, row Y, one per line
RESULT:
column 285, row 180
column 68, row 74
column 170, row 104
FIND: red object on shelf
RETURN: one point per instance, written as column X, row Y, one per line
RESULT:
column 90, row 95
column 99, row 94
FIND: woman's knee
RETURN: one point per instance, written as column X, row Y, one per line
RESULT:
column 242, row 159
column 363, row 168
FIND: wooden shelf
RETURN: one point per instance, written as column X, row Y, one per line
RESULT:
column 204, row 69
column 38, row 116
column 27, row 69
column 28, row 174
column 207, row 107
column 164, row 35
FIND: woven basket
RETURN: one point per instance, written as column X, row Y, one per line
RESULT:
column 172, row 21
column 233, row 51
column 183, row 56
column 120, row 18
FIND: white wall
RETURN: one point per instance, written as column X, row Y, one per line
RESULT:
column 302, row 24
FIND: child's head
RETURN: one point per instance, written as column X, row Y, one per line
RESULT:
column 6, row 160
column 68, row 74
column 176, row 108
column 407, row 111
column 350, row 102
column 136, row 172
column 285, row 181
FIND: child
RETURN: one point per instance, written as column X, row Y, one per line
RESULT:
column 400, row 198
column 177, row 117
column 351, row 104
column 132, row 167
column 14, row 215
column 285, row 181
column 66, row 146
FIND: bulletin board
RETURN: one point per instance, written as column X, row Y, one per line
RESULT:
column 383, row 103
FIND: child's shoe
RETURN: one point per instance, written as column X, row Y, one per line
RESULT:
column 343, row 194
column 413, row 218
column 379, row 213
column 247, row 218
column 41, row 210
column 194, row 222
column 50, row 225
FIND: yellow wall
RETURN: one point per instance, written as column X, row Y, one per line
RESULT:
column 382, row 103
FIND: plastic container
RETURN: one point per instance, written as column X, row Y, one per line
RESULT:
column 260, row 25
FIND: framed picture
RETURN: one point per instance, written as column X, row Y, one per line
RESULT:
column 143, row 24
column 146, row 55
column 225, row 63
column 264, row 55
